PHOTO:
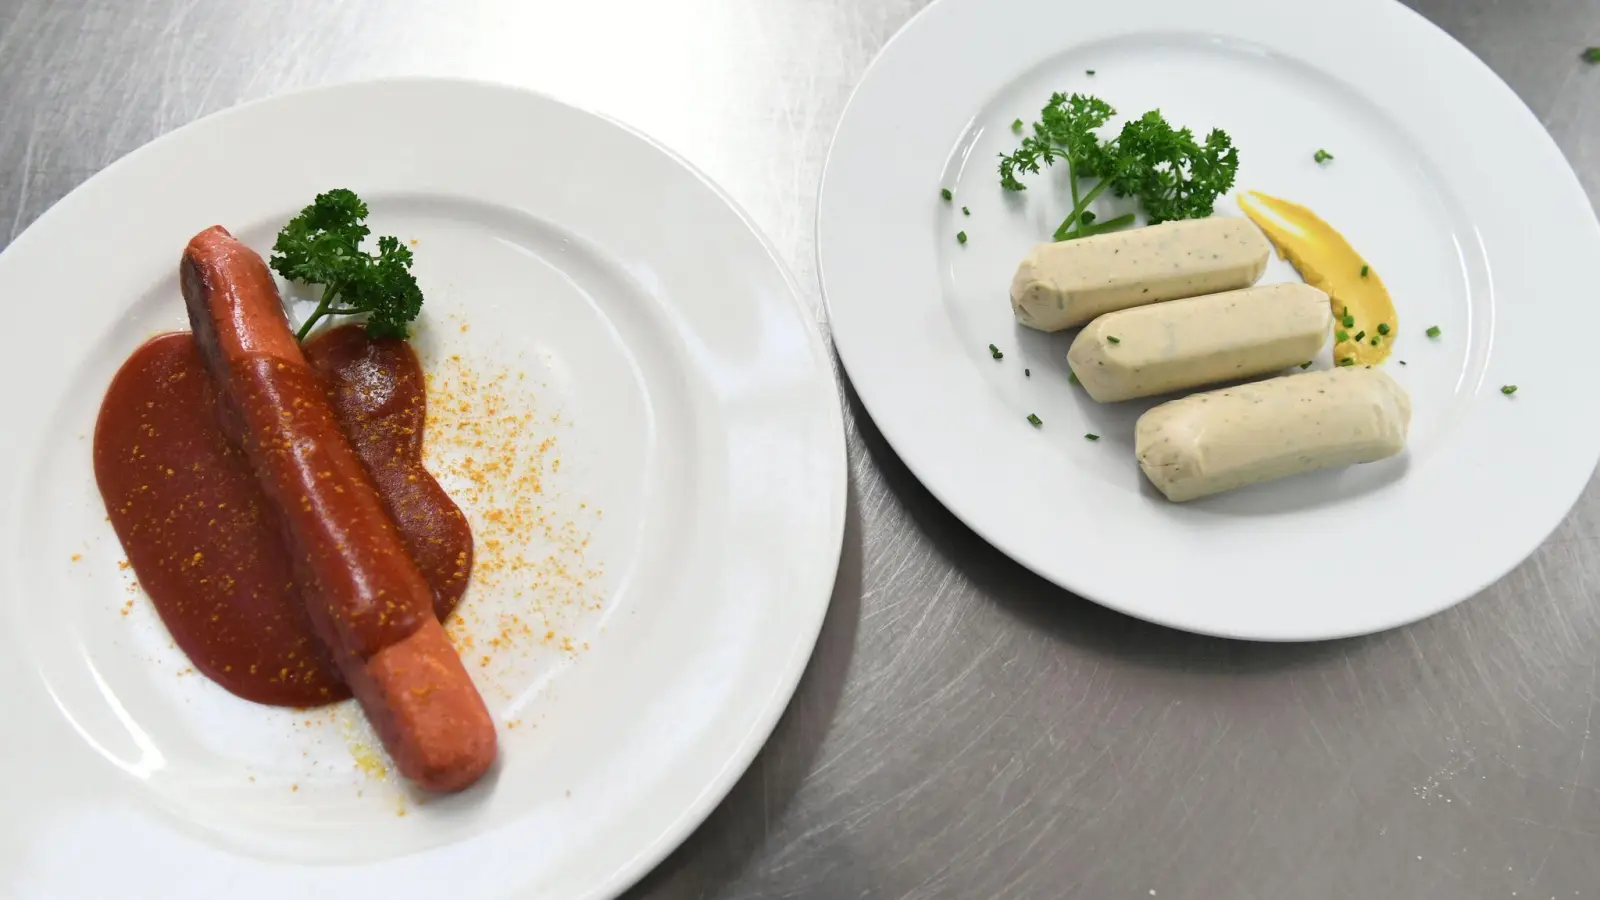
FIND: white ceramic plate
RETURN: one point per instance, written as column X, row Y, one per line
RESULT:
column 637, row 319
column 1428, row 145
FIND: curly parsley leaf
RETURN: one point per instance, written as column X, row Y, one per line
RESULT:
column 1169, row 172
column 1065, row 130
column 322, row 245
column 1173, row 175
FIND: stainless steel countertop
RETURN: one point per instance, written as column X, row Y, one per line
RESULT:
column 966, row 729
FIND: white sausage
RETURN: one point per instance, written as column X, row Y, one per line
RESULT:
column 1166, row 347
column 1228, row 438
column 1067, row 283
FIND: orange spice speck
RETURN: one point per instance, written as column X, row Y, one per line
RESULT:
column 497, row 456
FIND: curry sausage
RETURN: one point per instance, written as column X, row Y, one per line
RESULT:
column 364, row 594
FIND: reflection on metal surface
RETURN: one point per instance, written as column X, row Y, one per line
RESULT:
column 965, row 729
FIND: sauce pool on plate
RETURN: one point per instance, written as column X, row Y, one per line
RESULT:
column 201, row 536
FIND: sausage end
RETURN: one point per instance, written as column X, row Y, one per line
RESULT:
column 423, row 703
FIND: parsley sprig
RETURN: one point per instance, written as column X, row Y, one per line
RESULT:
column 322, row 245
column 1173, row 175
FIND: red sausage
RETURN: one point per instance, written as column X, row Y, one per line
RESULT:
column 365, row 597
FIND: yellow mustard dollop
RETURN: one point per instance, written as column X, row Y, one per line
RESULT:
column 1363, row 312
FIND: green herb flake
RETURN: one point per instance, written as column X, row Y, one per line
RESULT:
column 1017, row 126
column 1027, row 373
column 1365, row 270
column 1034, row 420
column 961, row 237
column 1306, row 364
column 1341, row 336
column 1348, row 321
column 995, row 352
column 1073, row 377
column 1321, row 156
column 1434, row 331
column 1361, row 336
column 1113, row 339
column 1508, row 389
column 1383, row 328
column 1374, row 341
column 1402, row 362
column 1592, row 55
column 945, row 193
column 965, row 211
column 1087, row 218
column 1089, row 72
column 1348, row 361
column 1091, row 437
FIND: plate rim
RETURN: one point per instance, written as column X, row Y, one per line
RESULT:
column 918, row 459
column 832, row 447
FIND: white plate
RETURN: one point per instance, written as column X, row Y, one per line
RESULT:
column 644, row 325
column 1442, row 178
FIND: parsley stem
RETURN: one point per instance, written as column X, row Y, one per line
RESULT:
column 324, row 308
column 1065, row 231
column 1121, row 221
column 1072, row 179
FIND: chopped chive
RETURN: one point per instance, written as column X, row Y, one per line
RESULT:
column 1402, row 362
column 1508, row 389
column 1348, row 361
column 1321, row 156
column 1306, row 364
column 1341, row 335
column 1034, row 420
column 1434, row 332
column 965, row 211
column 1364, row 271
column 961, row 237
column 1016, row 125
column 1361, row 336
column 1089, row 72
column 1383, row 327
column 1091, row 437
column 1348, row 321
column 995, row 352
column 1592, row 55
column 1374, row 341
column 1027, row 373
column 1114, row 340
column 945, row 193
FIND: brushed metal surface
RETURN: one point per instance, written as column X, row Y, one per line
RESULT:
column 965, row 729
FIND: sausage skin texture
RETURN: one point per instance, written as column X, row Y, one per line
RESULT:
column 380, row 398
column 1181, row 344
column 365, row 597
column 1203, row 444
column 1059, row 285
